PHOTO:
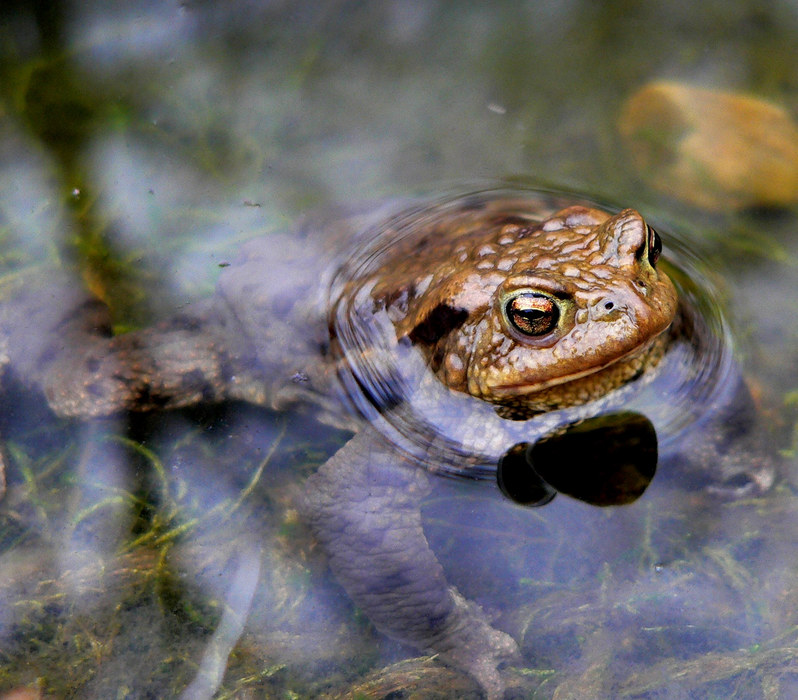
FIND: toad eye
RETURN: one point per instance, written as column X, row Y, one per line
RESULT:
column 654, row 245
column 532, row 313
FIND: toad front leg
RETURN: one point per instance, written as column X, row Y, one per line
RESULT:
column 364, row 508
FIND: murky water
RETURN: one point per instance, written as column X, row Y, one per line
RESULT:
column 166, row 556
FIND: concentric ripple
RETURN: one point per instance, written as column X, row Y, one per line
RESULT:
column 388, row 381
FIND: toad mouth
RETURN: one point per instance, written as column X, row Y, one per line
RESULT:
column 526, row 388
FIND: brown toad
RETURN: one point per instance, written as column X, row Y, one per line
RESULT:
column 536, row 316
column 444, row 336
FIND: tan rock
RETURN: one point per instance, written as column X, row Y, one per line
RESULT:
column 22, row 694
column 712, row 149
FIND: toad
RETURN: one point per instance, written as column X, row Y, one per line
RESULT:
column 442, row 336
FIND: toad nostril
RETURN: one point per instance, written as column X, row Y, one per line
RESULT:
column 604, row 309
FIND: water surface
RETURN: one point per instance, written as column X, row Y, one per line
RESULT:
column 142, row 145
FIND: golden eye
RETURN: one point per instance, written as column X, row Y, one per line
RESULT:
column 532, row 313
